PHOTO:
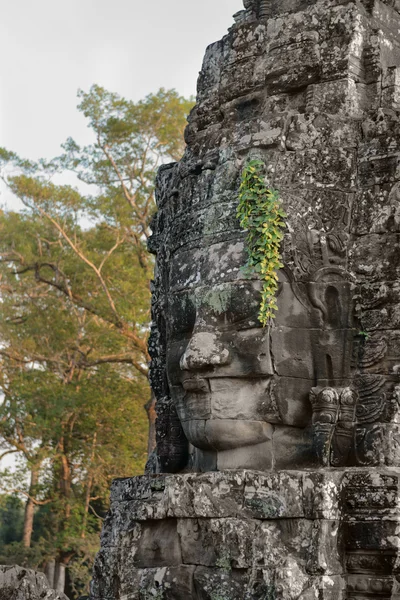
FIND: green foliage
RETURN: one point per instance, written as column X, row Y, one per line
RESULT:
column 16, row 554
column 81, row 567
column 75, row 296
column 364, row 334
column 261, row 214
column 11, row 519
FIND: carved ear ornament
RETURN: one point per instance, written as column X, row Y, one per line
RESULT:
column 329, row 397
column 324, row 397
column 348, row 397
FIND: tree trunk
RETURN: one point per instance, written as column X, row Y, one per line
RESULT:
column 65, row 484
column 30, row 509
column 59, row 583
column 89, row 486
column 50, row 572
column 151, row 415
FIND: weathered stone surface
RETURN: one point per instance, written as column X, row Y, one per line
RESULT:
column 18, row 583
column 210, row 495
column 311, row 88
column 284, row 440
column 240, row 535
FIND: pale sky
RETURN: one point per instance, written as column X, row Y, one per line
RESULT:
column 50, row 48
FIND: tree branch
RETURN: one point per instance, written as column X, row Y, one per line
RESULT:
column 31, row 498
column 8, row 452
column 80, row 255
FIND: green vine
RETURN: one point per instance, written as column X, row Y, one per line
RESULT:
column 261, row 214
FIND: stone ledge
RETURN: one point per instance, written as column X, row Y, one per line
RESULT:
column 247, row 533
column 254, row 494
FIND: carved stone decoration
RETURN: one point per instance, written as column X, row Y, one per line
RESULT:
column 343, row 439
column 277, row 468
column 325, row 404
column 334, row 425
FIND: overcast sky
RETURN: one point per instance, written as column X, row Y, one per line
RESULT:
column 51, row 48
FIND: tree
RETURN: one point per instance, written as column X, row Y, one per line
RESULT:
column 74, row 286
column 99, row 268
column 76, row 431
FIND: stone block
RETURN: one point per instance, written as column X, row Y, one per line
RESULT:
column 255, row 456
column 293, row 448
column 228, row 434
column 375, row 257
column 248, row 77
column 197, row 542
column 146, row 496
column 320, row 129
column 377, row 587
column 120, row 526
column 322, row 493
column 292, row 66
column 364, row 561
column 158, row 546
column 273, row 495
column 331, row 587
column 368, row 495
column 290, row 360
column 378, row 170
column 211, row 584
column 106, row 569
column 315, row 168
column 325, row 549
column 224, row 543
column 277, row 540
column 209, row 495
column 374, row 536
column 211, row 68
column 175, row 583
column 291, row 396
column 340, row 97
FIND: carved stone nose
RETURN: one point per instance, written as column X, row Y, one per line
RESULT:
column 204, row 350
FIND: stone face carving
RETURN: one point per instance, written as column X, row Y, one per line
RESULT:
column 303, row 95
column 282, row 445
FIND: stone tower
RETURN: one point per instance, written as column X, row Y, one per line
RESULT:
column 278, row 465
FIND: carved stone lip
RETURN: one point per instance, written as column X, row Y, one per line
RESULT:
column 196, row 384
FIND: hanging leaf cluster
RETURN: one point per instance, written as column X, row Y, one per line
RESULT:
column 260, row 212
